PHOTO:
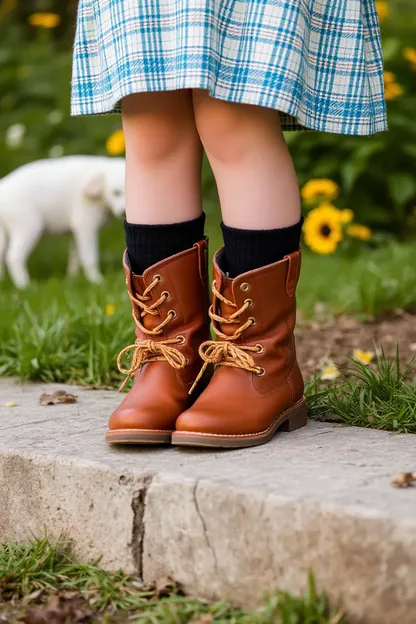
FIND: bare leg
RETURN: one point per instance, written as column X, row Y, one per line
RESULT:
column 163, row 158
column 255, row 175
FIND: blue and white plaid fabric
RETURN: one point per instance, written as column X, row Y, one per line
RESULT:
column 318, row 62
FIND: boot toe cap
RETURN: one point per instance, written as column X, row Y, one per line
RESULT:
column 195, row 421
column 131, row 418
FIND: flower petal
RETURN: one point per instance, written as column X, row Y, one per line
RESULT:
column 365, row 357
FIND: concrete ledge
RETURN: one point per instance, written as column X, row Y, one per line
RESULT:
column 225, row 524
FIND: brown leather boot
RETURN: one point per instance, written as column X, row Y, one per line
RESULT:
column 257, row 387
column 170, row 308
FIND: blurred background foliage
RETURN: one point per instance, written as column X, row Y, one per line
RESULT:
column 376, row 175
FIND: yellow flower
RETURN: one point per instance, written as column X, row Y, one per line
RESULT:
column 362, row 232
column 389, row 77
column 410, row 55
column 321, row 188
column 44, row 20
column 322, row 229
column 392, row 89
column 346, row 215
column 365, row 357
column 10, row 404
column 383, row 10
column 115, row 143
column 110, row 309
column 329, row 372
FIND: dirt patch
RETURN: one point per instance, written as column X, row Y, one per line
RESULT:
column 337, row 338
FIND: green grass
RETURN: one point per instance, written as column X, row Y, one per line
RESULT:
column 31, row 573
column 58, row 330
column 382, row 396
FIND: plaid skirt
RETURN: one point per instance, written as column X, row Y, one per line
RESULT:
column 317, row 62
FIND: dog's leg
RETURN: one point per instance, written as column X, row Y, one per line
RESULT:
column 3, row 245
column 74, row 264
column 21, row 243
column 87, row 247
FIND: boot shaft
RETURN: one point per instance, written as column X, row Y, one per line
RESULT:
column 180, row 283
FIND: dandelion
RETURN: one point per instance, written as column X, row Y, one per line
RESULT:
column 383, row 10
column 15, row 135
column 392, row 89
column 56, row 151
column 410, row 55
column 110, row 309
column 115, row 144
column 364, row 357
column 44, row 20
column 362, row 232
column 329, row 372
column 322, row 229
column 319, row 189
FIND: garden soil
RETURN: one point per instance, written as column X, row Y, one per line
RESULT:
column 336, row 339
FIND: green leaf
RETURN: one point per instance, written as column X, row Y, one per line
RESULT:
column 410, row 149
column 402, row 187
column 350, row 172
column 391, row 48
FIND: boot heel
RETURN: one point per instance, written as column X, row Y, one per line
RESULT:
column 297, row 418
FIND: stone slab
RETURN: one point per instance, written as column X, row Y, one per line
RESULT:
column 223, row 523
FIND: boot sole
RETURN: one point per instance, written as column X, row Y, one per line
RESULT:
column 138, row 436
column 290, row 420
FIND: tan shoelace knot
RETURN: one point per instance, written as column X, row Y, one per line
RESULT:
column 145, row 351
column 223, row 352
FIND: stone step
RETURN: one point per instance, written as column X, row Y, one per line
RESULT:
column 222, row 523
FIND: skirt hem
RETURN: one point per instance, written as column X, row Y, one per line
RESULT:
column 293, row 116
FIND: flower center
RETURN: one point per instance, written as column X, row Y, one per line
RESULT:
column 325, row 230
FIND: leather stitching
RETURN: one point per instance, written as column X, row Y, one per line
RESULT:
column 140, row 430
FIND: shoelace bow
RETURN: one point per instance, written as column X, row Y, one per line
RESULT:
column 149, row 350
column 224, row 352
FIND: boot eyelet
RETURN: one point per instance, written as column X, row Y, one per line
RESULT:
column 260, row 348
column 157, row 277
column 260, row 372
column 166, row 295
column 244, row 286
column 253, row 320
column 182, row 339
column 172, row 314
column 249, row 301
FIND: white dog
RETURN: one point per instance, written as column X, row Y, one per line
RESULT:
column 70, row 194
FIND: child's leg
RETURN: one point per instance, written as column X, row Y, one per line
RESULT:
column 251, row 162
column 257, row 386
column 163, row 157
column 163, row 176
column 256, row 181
column 165, row 265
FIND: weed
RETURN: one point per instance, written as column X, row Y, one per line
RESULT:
column 381, row 396
column 31, row 574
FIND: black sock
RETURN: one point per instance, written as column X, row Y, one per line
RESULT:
column 149, row 244
column 246, row 250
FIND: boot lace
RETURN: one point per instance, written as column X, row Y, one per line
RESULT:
column 223, row 352
column 145, row 351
